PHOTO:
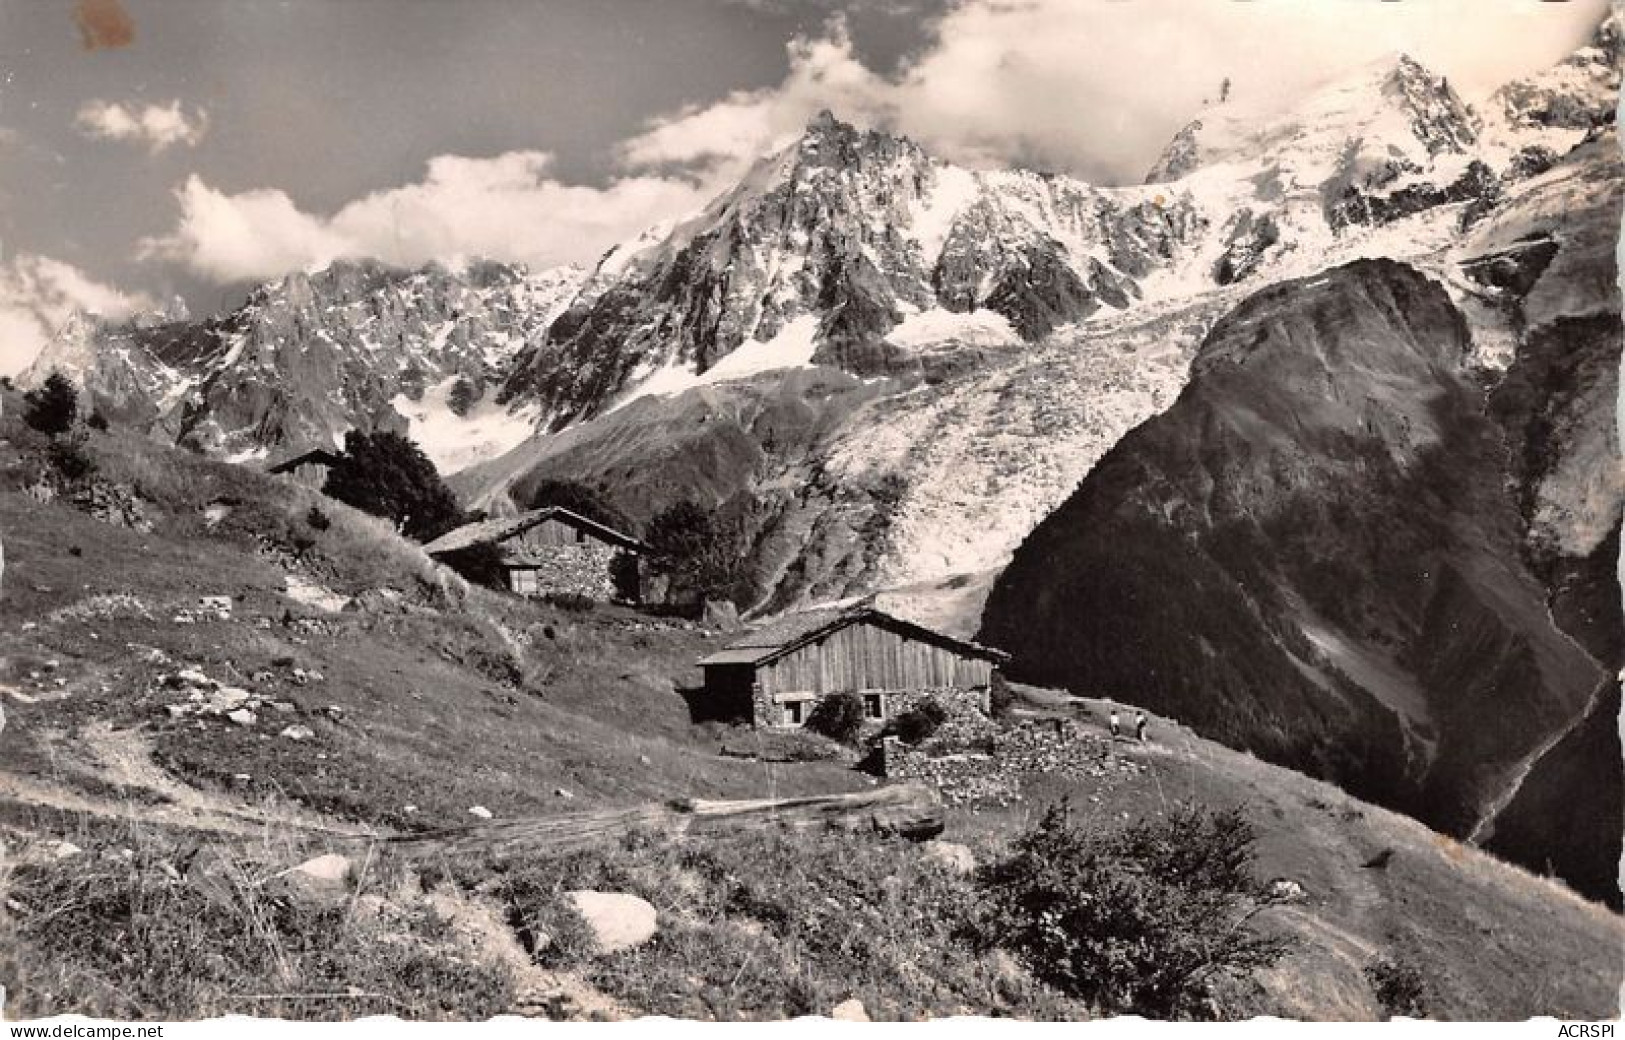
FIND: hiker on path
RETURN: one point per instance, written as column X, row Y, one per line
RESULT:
column 1113, row 723
column 1139, row 727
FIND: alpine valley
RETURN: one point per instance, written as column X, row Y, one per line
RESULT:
column 1308, row 441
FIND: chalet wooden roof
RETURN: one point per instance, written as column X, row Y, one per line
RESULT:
column 504, row 527
column 794, row 631
column 318, row 456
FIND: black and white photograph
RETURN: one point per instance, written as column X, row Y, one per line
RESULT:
column 854, row 510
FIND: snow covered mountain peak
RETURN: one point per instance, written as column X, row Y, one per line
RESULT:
column 1391, row 107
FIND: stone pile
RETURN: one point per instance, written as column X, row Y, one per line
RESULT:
column 987, row 770
column 113, row 504
column 207, row 698
column 208, row 608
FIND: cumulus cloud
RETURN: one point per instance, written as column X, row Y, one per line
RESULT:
column 507, row 207
column 1097, row 89
column 1091, row 89
column 38, row 294
column 824, row 73
column 155, row 126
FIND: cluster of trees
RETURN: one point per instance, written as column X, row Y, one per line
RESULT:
column 385, row 474
column 52, row 408
column 699, row 551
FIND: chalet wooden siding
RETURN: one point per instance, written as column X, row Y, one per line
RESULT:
column 545, row 535
column 865, row 656
column 779, row 672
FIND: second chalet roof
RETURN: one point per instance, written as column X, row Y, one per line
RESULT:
column 504, row 527
column 794, row 631
column 318, row 456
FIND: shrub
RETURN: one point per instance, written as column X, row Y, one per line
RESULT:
column 572, row 601
column 1142, row 919
column 318, row 520
column 838, row 717
column 69, row 459
column 1399, row 986
column 53, row 406
column 385, row 474
column 918, row 722
column 97, row 421
column 701, row 554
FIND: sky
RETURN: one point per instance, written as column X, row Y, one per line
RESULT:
column 151, row 149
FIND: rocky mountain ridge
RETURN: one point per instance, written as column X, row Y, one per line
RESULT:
column 1009, row 325
column 309, row 356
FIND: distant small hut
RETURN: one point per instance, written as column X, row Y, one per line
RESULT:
column 554, row 551
column 779, row 673
column 308, row 469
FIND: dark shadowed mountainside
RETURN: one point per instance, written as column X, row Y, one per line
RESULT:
column 1318, row 554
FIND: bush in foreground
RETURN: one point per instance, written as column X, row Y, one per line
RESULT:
column 919, row 722
column 53, row 407
column 1399, row 987
column 1145, row 919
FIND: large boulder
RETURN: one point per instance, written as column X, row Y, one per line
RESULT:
column 617, row 921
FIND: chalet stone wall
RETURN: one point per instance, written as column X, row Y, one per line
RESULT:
column 988, row 768
column 584, row 569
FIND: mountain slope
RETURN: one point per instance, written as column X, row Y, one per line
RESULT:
column 1315, row 553
column 423, row 704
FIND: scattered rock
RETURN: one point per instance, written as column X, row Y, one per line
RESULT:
column 62, row 849
column 559, row 792
column 956, row 857
column 481, row 811
column 299, row 733
column 849, row 1011
column 380, row 600
column 227, row 698
column 242, row 717
column 329, row 868
column 617, row 921
column 313, row 594
column 1287, row 891
column 323, row 879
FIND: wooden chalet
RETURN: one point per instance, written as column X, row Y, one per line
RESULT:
column 778, row 673
column 309, row 468
column 554, row 551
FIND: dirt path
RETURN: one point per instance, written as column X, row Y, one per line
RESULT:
column 123, row 758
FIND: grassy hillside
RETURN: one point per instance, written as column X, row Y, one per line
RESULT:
column 425, row 698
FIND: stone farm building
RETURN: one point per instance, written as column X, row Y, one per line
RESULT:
column 307, row 469
column 554, row 551
column 778, row 673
